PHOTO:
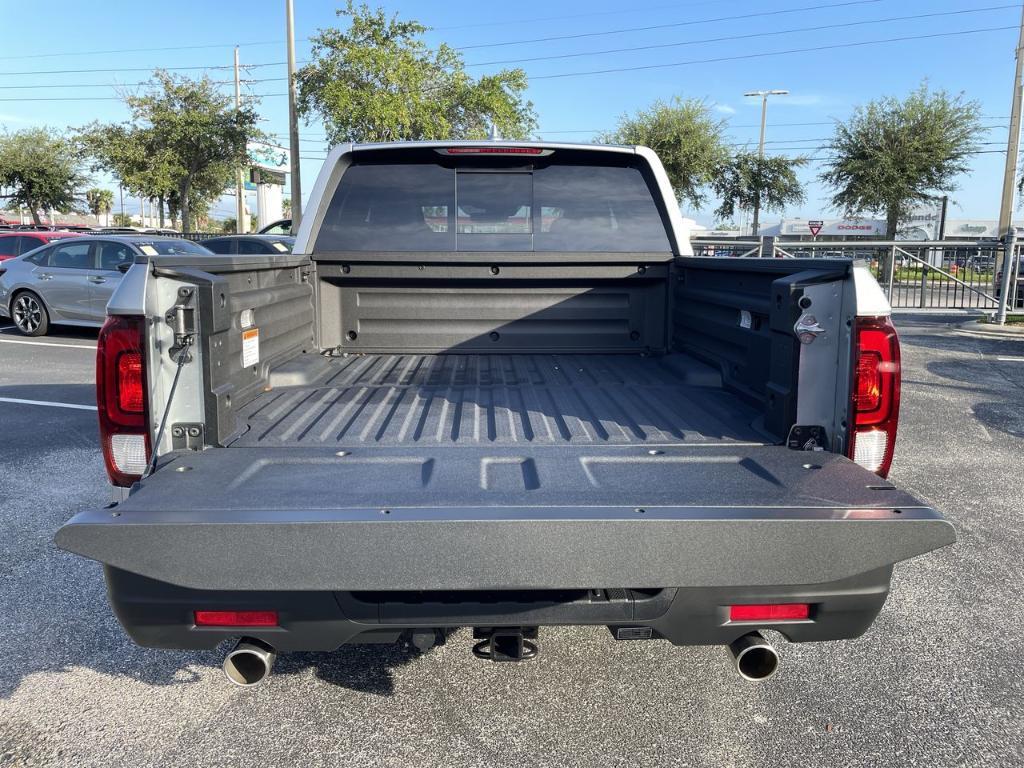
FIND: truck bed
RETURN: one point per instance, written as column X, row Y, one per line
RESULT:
column 439, row 400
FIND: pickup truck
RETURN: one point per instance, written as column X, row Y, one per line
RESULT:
column 491, row 389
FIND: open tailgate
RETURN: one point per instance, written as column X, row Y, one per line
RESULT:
column 480, row 517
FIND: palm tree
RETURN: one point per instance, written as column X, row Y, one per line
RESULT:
column 101, row 203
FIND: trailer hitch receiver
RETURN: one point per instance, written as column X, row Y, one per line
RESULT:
column 505, row 643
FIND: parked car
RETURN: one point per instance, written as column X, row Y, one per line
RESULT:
column 250, row 244
column 280, row 227
column 14, row 244
column 437, row 414
column 69, row 282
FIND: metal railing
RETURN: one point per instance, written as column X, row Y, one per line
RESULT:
column 943, row 274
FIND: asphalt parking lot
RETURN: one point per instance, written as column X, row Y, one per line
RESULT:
column 937, row 681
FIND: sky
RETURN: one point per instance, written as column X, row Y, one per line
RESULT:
column 708, row 49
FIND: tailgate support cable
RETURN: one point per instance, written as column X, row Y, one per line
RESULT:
column 181, row 352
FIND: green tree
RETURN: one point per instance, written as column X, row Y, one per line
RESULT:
column 134, row 156
column 752, row 183
column 379, row 81
column 100, row 202
column 688, row 138
column 41, row 170
column 893, row 154
column 183, row 145
column 123, row 220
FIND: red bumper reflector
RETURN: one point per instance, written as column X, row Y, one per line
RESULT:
column 770, row 612
column 236, row 618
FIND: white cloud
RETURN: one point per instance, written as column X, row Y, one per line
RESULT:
column 725, row 109
column 4, row 118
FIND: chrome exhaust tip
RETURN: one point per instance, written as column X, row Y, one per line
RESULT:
column 249, row 662
column 754, row 657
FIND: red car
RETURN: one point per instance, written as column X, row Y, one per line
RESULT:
column 15, row 243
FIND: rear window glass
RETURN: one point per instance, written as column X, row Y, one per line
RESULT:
column 171, row 247
column 72, row 256
column 426, row 207
column 218, row 246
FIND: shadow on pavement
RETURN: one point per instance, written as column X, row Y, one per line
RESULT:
column 57, row 333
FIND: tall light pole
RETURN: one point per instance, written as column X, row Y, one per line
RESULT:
column 241, row 223
column 293, row 121
column 760, row 145
column 1013, row 142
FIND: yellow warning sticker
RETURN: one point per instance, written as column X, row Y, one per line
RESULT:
column 250, row 347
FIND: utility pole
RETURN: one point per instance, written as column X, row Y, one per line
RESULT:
column 241, row 224
column 293, row 120
column 1013, row 142
column 760, row 146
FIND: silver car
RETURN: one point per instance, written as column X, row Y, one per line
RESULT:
column 69, row 282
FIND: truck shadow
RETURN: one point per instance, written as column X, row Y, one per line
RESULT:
column 364, row 668
column 95, row 643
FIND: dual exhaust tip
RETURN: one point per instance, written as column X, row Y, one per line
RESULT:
column 251, row 661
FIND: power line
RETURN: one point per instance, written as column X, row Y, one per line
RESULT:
column 108, row 98
column 139, row 50
column 563, row 37
column 118, row 85
column 728, row 38
column 506, row 20
column 689, row 23
column 814, row 49
column 111, row 51
column 740, row 57
column 117, row 69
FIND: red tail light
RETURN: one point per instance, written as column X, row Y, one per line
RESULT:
column 236, row 618
column 121, row 399
column 875, row 401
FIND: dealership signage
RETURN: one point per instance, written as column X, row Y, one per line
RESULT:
column 269, row 156
column 828, row 227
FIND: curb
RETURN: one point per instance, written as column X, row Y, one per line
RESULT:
column 1016, row 330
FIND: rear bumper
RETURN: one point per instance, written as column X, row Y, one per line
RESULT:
column 633, row 540
column 160, row 615
column 398, row 549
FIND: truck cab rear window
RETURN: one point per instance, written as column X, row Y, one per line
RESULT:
column 426, row 207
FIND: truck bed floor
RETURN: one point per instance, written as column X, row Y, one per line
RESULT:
column 497, row 399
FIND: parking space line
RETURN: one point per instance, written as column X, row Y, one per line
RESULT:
column 75, row 406
column 45, row 344
column 1010, row 359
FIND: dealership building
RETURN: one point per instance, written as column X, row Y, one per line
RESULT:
column 920, row 227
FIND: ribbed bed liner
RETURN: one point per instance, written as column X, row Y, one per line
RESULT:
column 496, row 399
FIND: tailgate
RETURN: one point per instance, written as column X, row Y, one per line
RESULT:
column 499, row 518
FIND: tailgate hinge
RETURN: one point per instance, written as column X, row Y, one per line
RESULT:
column 188, row 437
column 807, row 438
